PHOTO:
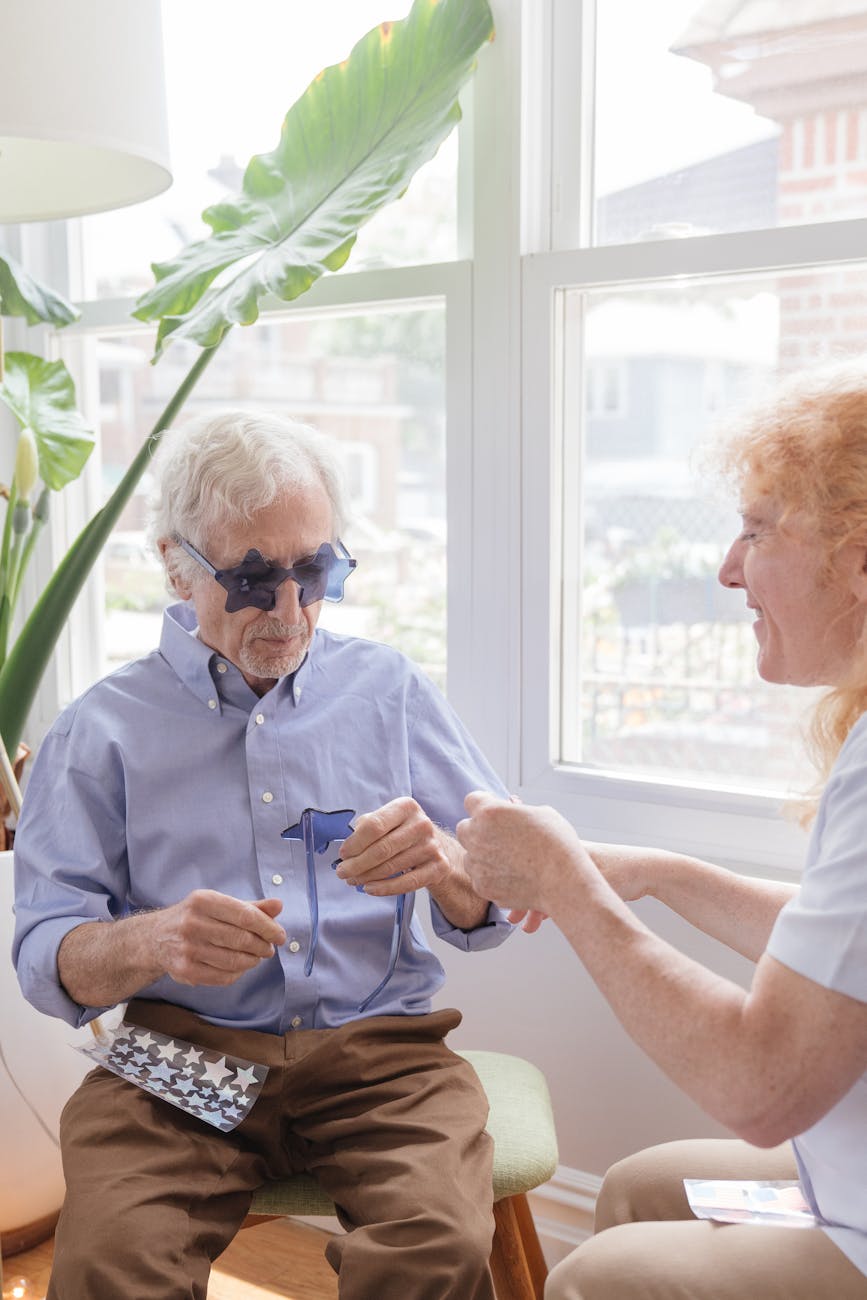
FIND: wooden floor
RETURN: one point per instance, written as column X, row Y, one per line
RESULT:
column 280, row 1258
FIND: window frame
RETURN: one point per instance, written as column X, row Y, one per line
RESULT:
column 524, row 225
column 729, row 826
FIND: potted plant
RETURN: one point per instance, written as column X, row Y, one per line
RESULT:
column 348, row 146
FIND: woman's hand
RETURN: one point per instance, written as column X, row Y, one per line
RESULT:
column 531, row 918
column 524, row 858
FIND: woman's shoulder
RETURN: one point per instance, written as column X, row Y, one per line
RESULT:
column 853, row 752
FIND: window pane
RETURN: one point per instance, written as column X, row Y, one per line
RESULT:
column 228, row 87
column 658, row 672
column 376, row 383
column 714, row 117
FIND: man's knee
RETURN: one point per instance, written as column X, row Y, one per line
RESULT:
column 589, row 1273
column 645, row 1187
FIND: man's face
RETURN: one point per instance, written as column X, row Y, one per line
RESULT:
column 264, row 644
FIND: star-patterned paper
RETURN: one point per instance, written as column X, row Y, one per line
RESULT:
column 217, row 1089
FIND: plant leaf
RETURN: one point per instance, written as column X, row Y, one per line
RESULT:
column 348, row 146
column 21, row 295
column 28, row 658
column 41, row 396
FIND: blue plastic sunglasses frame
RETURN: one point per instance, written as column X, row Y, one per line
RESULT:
column 253, row 583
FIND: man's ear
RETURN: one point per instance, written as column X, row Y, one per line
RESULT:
column 168, row 553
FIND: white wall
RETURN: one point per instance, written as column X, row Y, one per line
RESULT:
column 531, row 997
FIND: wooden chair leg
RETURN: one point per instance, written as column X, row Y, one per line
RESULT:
column 517, row 1262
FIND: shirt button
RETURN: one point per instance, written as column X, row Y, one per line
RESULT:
column 212, row 704
column 296, row 1021
column 260, row 718
column 221, row 668
column 267, row 797
column 276, row 879
column 295, row 946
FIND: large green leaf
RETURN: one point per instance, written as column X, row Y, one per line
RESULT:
column 21, row 295
column 41, row 396
column 348, row 146
column 28, row 658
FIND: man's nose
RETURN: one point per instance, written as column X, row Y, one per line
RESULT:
column 288, row 605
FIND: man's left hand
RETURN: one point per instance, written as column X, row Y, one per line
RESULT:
column 395, row 850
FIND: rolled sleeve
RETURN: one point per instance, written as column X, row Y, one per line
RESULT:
column 36, row 965
column 489, row 933
column 65, row 880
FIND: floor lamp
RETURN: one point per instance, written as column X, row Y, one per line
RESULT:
column 82, row 115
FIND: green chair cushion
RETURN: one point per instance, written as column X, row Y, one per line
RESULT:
column 521, row 1123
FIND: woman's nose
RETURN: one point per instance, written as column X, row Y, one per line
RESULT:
column 731, row 570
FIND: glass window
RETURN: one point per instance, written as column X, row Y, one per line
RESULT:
column 717, row 117
column 376, row 383
column 226, row 102
column 666, row 683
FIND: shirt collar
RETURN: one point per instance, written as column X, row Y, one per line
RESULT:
column 197, row 665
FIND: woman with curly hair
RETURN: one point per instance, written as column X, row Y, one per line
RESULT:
column 783, row 1063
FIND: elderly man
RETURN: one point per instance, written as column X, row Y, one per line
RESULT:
column 186, row 846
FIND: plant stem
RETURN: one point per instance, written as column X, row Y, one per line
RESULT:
column 9, row 781
column 11, row 503
column 4, row 570
column 35, row 530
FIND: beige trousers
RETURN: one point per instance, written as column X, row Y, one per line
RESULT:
column 648, row 1245
column 380, row 1111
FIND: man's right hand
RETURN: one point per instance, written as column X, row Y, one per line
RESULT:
column 212, row 938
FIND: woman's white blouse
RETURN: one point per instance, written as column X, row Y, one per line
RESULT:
column 822, row 934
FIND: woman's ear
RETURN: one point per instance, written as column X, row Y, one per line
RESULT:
column 168, row 553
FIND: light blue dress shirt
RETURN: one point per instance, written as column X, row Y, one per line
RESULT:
column 822, row 934
column 171, row 774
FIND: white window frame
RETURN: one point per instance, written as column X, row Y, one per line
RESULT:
column 524, row 218
column 742, row 830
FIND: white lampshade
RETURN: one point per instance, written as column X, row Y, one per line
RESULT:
column 82, row 107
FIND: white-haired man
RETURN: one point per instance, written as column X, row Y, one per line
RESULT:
column 175, row 852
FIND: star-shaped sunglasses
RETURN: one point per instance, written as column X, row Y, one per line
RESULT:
column 253, row 583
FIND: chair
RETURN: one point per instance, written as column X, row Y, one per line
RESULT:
column 525, row 1155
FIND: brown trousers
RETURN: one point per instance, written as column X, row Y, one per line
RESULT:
column 380, row 1111
column 649, row 1246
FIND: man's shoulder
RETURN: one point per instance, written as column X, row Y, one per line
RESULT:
column 131, row 683
column 334, row 651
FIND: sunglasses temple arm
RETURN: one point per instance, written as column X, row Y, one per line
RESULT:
column 196, row 555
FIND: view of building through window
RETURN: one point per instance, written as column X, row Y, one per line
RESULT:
column 714, row 117
column 667, row 682
column 709, row 118
column 376, row 383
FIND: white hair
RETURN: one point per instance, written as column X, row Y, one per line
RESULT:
column 222, row 469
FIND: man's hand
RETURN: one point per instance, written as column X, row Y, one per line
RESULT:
column 395, row 850
column 212, row 938
column 398, row 849
column 206, row 938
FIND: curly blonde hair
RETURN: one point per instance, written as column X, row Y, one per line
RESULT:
column 807, row 447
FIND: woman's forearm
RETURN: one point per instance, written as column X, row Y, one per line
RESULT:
column 739, row 911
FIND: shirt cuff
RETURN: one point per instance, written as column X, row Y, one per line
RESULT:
column 489, row 933
column 38, row 975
